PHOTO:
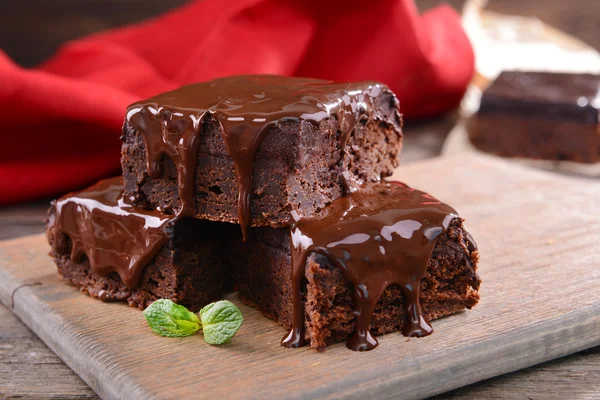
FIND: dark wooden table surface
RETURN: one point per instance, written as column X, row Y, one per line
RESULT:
column 31, row 30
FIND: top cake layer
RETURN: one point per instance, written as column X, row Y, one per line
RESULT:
column 252, row 149
column 546, row 95
column 259, row 99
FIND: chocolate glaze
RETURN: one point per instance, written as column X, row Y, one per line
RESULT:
column 379, row 235
column 546, row 95
column 115, row 236
column 169, row 134
column 246, row 107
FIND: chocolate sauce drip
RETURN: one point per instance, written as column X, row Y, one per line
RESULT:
column 115, row 236
column 174, row 135
column 379, row 235
column 246, row 107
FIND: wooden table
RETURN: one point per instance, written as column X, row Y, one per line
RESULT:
column 28, row 369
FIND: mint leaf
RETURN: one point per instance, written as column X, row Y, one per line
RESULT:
column 169, row 319
column 220, row 321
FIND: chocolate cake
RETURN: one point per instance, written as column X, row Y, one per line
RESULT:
column 540, row 115
column 117, row 252
column 325, row 248
column 282, row 143
column 446, row 270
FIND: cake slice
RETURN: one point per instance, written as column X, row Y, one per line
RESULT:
column 540, row 115
column 117, row 252
column 446, row 274
column 250, row 149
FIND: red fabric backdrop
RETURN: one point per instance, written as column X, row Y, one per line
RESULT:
column 61, row 121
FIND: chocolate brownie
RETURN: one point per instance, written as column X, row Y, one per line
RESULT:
column 261, row 268
column 258, row 145
column 540, row 115
column 117, row 252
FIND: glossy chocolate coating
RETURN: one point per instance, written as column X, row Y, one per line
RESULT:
column 546, row 95
column 246, row 107
column 115, row 236
column 379, row 235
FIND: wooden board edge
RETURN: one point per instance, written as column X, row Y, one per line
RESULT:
column 76, row 352
column 511, row 351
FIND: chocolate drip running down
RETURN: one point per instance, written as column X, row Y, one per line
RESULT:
column 379, row 235
column 115, row 236
column 246, row 107
column 168, row 133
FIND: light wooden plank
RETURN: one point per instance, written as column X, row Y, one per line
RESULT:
column 538, row 236
column 573, row 377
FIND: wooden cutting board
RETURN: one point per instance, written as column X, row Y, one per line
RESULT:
column 539, row 237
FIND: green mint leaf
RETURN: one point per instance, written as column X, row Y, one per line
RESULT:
column 220, row 321
column 170, row 319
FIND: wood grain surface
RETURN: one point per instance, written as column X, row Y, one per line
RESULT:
column 27, row 363
column 538, row 237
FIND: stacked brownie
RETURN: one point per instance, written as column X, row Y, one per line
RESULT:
column 233, row 163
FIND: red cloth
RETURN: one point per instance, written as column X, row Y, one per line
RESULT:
column 61, row 121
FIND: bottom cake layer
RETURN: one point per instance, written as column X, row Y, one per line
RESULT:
column 262, row 273
column 203, row 260
column 187, row 270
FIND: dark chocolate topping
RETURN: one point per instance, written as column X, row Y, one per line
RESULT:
column 379, row 235
column 115, row 236
column 559, row 96
column 246, row 107
column 170, row 134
